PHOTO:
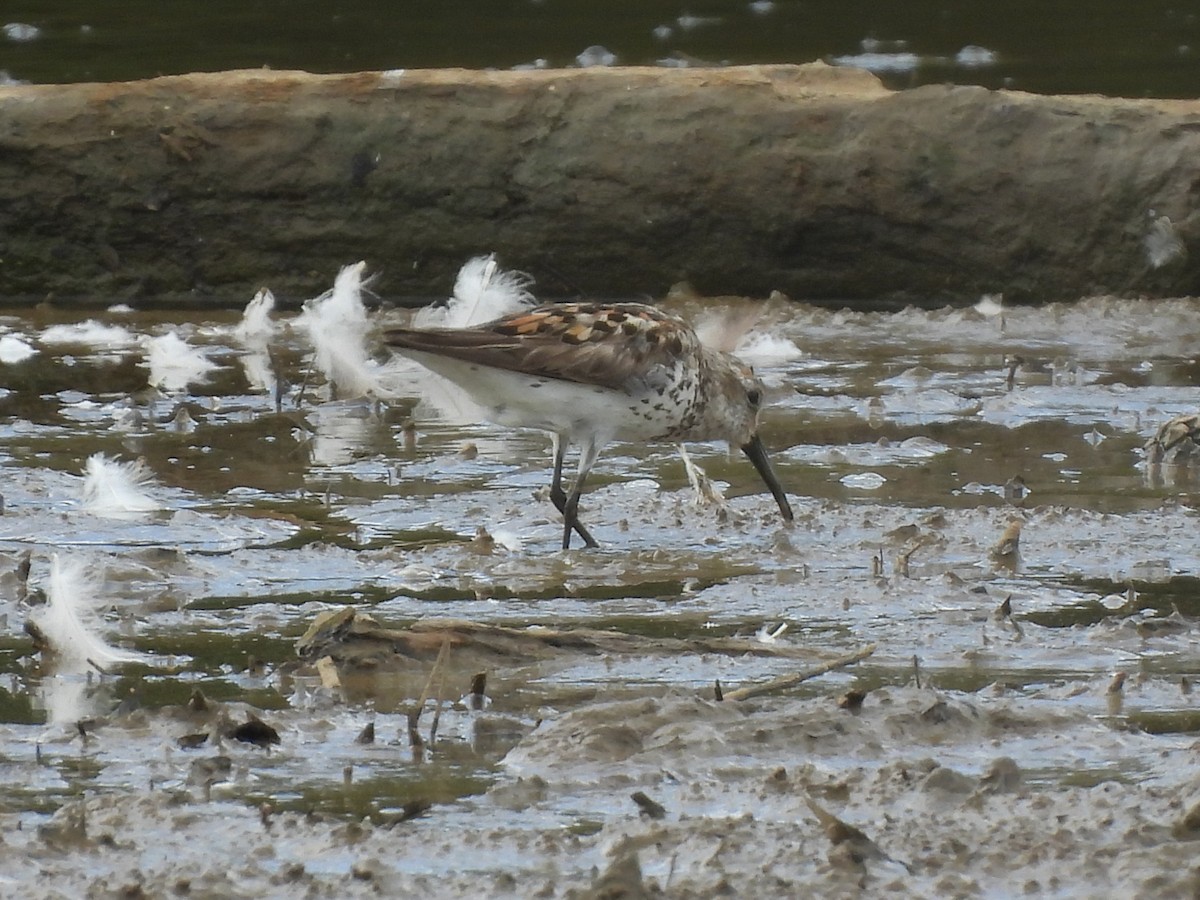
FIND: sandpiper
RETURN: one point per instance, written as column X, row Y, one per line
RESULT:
column 591, row 373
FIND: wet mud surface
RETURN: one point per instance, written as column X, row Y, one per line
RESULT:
column 1028, row 725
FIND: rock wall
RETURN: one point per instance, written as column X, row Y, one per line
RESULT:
column 814, row 181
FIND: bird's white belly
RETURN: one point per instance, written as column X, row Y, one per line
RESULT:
column 521, row 400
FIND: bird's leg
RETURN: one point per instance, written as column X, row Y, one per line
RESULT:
column 571, row 517
column 588, row 452
column 559, row 498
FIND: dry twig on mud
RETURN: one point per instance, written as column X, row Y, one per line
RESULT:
column 786, row 681
column 437, row 704
column 414, row 714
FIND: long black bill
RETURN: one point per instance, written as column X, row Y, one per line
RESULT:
column 758, row 455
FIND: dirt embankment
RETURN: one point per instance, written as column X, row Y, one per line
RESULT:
column 814, row 181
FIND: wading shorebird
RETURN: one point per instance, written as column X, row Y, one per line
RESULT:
column 591, row 373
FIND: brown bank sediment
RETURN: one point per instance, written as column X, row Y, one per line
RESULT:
column 811, row 180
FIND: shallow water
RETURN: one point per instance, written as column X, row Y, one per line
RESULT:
column 1055, row 46
column 894, row 434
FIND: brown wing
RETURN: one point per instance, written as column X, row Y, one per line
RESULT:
column 590, row 343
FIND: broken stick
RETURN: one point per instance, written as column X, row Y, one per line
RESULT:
column 414, row 714
column 784, row 682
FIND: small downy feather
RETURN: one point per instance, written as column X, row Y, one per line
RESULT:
column 724, row 329
column 15, row 349
column 69, row 619
column 255, row 332
column 174, row 364
column 735, row 331
column 482, row 292
column 1162, row 243
column 763, row 348
column 990, row 305
column 112, row 488
column 90, row 333
column 257, row 327
column 707, row 493
column 337, row 326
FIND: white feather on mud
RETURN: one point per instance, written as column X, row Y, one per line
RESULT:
column 990, row 305
column 174, row 364
column 256, row 328
column 737, row 330
column 761, row 348
column 90, row 333
column 482, row 292
column 337, row 325
column 707, row 492
column 115, row 489
column 70, row 625
column 255, row 332
column 14, row 349
column 724, row 329
column 70, row 621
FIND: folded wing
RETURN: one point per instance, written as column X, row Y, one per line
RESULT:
column 617, row 346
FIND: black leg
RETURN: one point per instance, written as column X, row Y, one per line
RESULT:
column 559, row 498
column 571, row 517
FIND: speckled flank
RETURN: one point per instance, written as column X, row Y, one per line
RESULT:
column 622, row 371
column 657, row 380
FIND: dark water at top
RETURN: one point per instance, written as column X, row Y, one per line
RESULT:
column 1149, row 48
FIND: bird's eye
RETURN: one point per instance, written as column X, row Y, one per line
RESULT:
column 754, row 395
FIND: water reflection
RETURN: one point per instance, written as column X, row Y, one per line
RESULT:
column 344, row 431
